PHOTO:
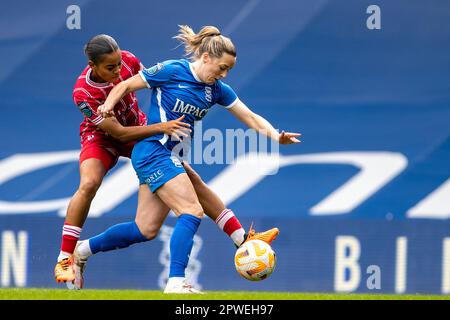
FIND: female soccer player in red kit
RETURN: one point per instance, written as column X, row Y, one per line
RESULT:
column 103, row 140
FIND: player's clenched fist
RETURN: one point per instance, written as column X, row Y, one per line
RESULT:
column 106, row 110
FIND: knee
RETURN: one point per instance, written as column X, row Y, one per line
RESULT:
column 148, row 231
column 89, row 187
column 195, row 209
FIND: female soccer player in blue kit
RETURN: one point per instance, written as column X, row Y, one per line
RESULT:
column 181, row 87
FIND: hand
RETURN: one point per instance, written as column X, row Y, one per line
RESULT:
column 288, row 137
column 176, row 128
column 106, row 111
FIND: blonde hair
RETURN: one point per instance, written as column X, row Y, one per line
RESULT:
column 208, row 39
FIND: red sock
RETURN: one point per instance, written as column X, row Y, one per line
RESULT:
column 228, row 222
column 70, row 236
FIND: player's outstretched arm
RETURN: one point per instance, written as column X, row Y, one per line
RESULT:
column 258, row 123
column 176, row 128
column 118, row 92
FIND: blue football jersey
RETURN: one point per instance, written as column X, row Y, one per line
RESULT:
column 177, row 91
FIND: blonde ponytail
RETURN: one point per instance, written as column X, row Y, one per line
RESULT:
column 208, row 39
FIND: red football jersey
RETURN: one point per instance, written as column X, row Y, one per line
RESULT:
column 89, row 95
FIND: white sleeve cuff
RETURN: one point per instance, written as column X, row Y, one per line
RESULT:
column 143, row 78
column 231, row 104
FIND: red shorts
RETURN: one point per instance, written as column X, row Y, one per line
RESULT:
column 106, row 150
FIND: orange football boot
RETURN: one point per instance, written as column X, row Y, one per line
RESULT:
column 266, row 236
column 64, row 271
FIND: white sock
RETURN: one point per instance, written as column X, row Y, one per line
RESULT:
column 175, row 282
column 238, row 236
column 84, row 249
column 63, row 255
column 230, row 224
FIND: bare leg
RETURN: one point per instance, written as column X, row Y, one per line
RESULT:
column 179, row 195
column 150, row 215
column 92, row 172
column 215, row 208
column 224, row 218
column 210, row 201
column 151, row 212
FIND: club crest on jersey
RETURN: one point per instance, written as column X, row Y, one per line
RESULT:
column 84, row 107
column 176, row 162
column 208, row 94
column 155, row 69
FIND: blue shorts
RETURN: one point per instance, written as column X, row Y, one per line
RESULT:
column 154, row 164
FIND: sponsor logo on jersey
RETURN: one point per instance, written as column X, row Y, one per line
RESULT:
column 186, row 108
column 155, row 69
column 176, row 162
column 84, row 107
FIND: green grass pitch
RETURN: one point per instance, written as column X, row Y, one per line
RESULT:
column 90, row 294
